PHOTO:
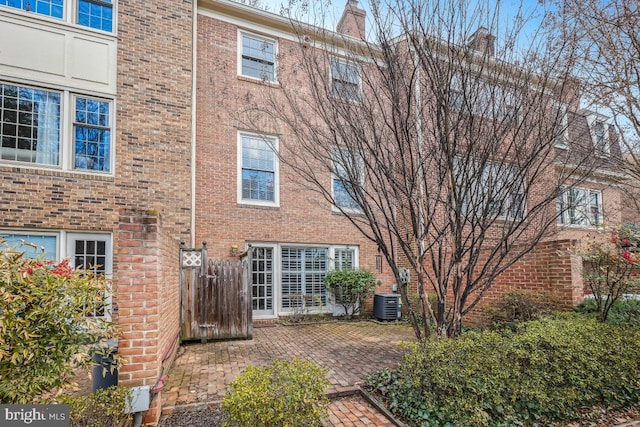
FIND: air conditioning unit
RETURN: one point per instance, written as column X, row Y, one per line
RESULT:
column 387, row 306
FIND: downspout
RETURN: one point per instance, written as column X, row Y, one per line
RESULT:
column 194, row 62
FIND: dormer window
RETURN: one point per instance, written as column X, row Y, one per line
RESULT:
column 600, row 136
column 560, row 128
column 599, row 129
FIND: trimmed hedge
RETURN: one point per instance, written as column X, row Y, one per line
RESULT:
column 545, row 371
column 281, row 394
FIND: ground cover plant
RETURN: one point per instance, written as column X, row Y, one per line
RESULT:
column 103, row 408
column 544, row 371
column 622, row 312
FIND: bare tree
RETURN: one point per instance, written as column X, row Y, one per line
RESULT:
column 435, row 135
column 606, row 36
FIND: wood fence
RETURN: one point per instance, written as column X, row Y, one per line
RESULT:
column 215, row 298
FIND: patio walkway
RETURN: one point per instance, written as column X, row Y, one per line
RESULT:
column 350, row 351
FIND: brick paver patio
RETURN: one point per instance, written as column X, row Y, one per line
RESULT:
column 349, row 350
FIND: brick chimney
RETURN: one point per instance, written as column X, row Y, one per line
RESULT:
column 352, row 21
column 483, row 41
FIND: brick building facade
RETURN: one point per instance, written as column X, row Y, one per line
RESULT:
column 120, row 141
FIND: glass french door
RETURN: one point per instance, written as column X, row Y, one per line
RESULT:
column 262, row 281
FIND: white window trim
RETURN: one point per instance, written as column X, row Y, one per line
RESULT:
column 242, row 33
column 276, row 179
column 335, row 177
column 592, row 119
column 466, row 210
column 64, row 249
column 564, row 216
column 277, row 273
column 69, row 16
column 67, row 137
column 561, row 141
column 331, row 79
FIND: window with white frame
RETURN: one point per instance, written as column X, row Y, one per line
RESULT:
column 560, row 125
column 347, row 175
column 506, row 105
column 97, row 14
column 92, row 134
column 303, row 272
column 345, row 80
column 257, row 57
column 580, row 206
column 85, row 251
column 258, row 181
column 344, row 258
column 32, row 122
column 491, row 189
column 600, row 137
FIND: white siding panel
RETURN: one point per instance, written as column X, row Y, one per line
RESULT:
column 47, row 53
column 90, row 60
column 28, row 48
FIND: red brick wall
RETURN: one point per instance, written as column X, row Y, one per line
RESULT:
column 152, row 180
column 303, row 216
column 549, row 268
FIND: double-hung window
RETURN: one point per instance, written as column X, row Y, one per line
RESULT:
column 580, row 206
column 258, row 181
column 493, row 190
column 345, row 80
column 30, row 119
column 600, row 136
column 560, row 125
column 257, row 57
column 97, row 14
column 32, row 122
column 347, row 176
column 53, row 8
column 92, row 134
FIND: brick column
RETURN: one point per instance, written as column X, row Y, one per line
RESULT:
column 137, row 262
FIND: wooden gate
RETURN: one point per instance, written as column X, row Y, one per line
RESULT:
column 215, row 299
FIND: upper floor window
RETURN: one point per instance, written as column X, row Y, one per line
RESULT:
column 345, row 80
column 54, row 8
column 32, row 121
column 258, row 170
column 560, row 125
column 491, row 189
column 347, row 175
column 600, row 136
column 580, row 206
column 257, row 57
column 92, row 134
column 96, row 14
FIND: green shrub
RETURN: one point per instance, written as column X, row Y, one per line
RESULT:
column 46, row 321
column 520, row 305
column 545, row 371
column 622, row 312
column 281, row 394
column 350, row 288
column 104, row 408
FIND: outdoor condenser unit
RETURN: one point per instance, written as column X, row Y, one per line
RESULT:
column 386, row 306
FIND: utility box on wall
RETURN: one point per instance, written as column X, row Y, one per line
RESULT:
column 386, row 306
